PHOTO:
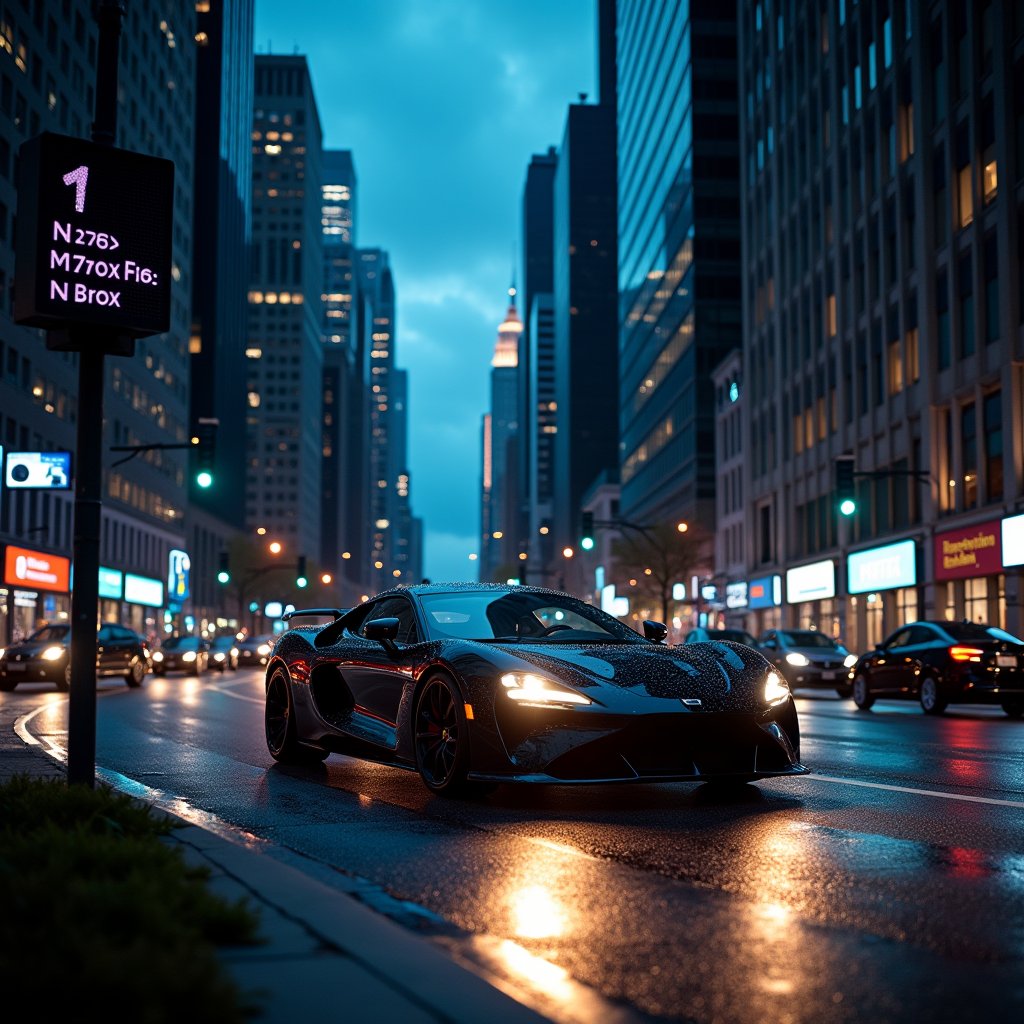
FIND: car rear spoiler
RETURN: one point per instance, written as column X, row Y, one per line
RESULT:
column 335, row 613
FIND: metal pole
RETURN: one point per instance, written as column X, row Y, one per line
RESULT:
column 89, row 458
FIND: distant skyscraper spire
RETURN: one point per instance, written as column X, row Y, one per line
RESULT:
column 506, row 349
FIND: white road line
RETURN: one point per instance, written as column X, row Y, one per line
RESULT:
column 917, row 792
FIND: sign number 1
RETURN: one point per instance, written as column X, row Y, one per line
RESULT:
column 78, row 177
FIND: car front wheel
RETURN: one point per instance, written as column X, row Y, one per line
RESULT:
column 862, row 695
column 279, row 725
column 135, row 674
column 1014, row 708
column 441, row 740
column 930, row 696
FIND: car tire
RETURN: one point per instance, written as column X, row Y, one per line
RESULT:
column 861, row 692
column 930, row 696
column 1013, row 708
column 441, row 740
column 279, row 725
column 64, row 684
column 136, row 674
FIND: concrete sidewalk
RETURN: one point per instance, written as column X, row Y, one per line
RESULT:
column 326, row 955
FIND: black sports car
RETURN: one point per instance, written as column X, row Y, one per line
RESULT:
column 474, row 684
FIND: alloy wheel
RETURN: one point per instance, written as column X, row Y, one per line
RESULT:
column 437, row 734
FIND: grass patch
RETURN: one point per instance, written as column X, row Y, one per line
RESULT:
column 102, row 919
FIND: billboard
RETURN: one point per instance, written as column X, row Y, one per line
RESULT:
column 973, row 551
column 765, row 592
column 883, row 568
column 36, row 570
column 179, row 572
column 1013, row 541
column 143, row 590
column 813, row 582
column 41, row 470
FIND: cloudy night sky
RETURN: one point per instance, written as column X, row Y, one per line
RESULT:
column 442, row 103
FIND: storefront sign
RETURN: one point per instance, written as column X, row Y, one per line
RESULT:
column 111, row 583
column 974, row 551
column 143, row 590
column 1013, row 541
column 736, row 595
column 39, row 470
column 179, row 570
column 814, row 582
column 23, row 567
column 882, row 568
column 765, row 592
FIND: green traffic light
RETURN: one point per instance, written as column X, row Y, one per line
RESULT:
column 301, row 582
column 204, row 478
column 223, row 577
column 847, row 507
column 587, row 543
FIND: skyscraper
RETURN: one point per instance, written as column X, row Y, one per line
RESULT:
column 679, row 248
column 284, row 437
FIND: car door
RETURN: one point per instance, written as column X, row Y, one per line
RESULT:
column 378, row 676
column 106, row 651
column 888, row 665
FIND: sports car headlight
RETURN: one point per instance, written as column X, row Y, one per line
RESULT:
column 158, row 655
column 850, row 661
column 797, row 659
column 776, row 689
column 536, row 691
column 52, row 653
column 189, row 656
column 263, row 649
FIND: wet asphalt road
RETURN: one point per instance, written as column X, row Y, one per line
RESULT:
column 886, row 886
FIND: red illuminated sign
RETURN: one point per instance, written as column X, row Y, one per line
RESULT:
column 36, row 570
column 974, row 551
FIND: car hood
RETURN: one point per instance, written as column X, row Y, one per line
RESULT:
column 719, row 674
column 32, row 649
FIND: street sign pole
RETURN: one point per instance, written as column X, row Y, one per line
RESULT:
column 89, row 477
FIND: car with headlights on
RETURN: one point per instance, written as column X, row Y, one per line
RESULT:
column 187, row 653
column 223, row 652
column 254, row 651
column 476, row 684
column 939, row 663
column 45, row 656
column 808, row 658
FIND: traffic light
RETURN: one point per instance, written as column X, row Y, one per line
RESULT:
column 204, row 440
column 586, row 530
column 301, row 579
column 845, row 490
column 224, row 570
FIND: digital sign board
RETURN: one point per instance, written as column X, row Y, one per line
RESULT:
column 94, row 235
column 814, row 582
column 883, row 568
column 179, row 575
column 765, row 592
column 143, row 590
column 27, row 568
column 38, row 470
column 1013, row 541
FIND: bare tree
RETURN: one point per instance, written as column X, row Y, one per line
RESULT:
column 657, row 557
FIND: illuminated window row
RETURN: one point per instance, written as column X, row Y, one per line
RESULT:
column 272, row 298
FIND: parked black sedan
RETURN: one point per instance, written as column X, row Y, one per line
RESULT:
column 475, row 684
column 45, row 656
column 223, row 652
column 809, row 658
column 941, row 663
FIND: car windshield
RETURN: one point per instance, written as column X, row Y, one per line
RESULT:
column 737, row 636
column 181, row 643
column 807, row 638
column 978, row 631
column 521, row 615
column 47, row 634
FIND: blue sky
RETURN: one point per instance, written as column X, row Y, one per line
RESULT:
column 442, row 103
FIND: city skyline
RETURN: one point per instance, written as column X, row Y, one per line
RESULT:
column 500, row 80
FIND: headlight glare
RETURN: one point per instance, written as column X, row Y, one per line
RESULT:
column 189, row 656
column 263, row 649
column 850, row 661
column 52, row 653
column 795, row 658
column 536, row 691
column 219, row 656
column 158, row 655
column 776, row 689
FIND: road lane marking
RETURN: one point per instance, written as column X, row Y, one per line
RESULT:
column 917, row 792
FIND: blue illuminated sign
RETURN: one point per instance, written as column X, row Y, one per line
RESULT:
column 884, row 568
column 765, row 592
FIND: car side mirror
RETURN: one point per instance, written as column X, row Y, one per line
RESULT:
column 655, row 631
column 383, row 631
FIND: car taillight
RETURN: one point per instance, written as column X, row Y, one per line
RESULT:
column 959, row 653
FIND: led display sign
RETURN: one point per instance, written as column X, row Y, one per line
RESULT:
column 179, row 572
column 37, row 569
column 1013, row 541
column 143, row 590
column 883, row 568
column 765, row 592
column 111, row 583
column 814, row 582
column 94, row 237
column 736, row 594
column 38, row 470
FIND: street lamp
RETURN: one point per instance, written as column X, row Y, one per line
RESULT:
column 274, row 547
column 682, row 527
column 326, row 578
column 567, row 552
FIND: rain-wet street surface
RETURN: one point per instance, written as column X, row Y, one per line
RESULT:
column 888, row 885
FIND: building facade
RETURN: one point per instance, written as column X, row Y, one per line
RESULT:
column 883, row 234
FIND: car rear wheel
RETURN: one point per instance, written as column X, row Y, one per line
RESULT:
column 1014, row 708
column 441, row 740
column 279, row 725
column 930, row 696
column 135, row 674
column 65, row 684
column 862, row 695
